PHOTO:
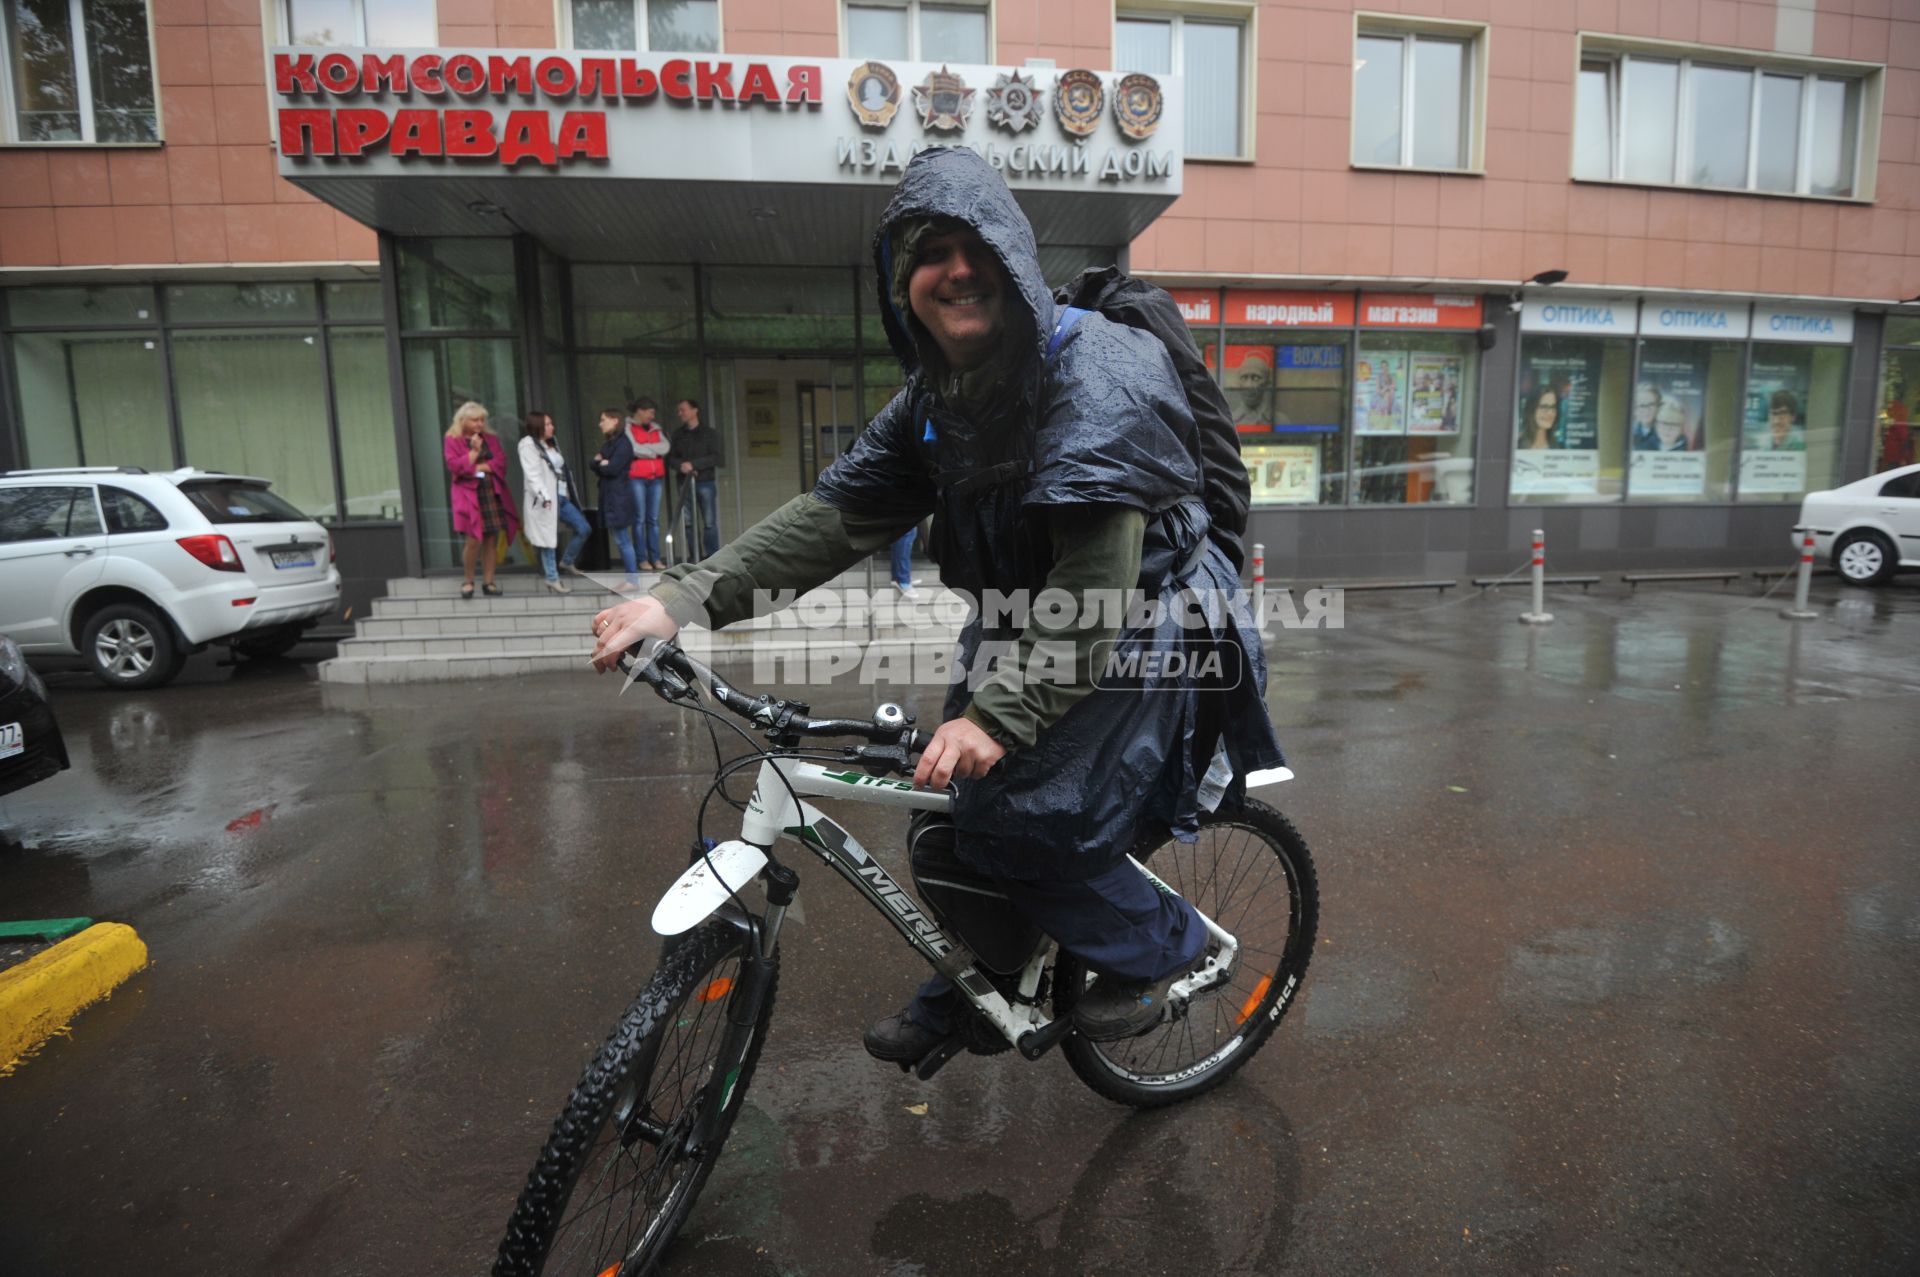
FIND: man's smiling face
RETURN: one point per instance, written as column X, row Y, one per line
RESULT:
column 958, row 292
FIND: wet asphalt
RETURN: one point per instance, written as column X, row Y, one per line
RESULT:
column 1619, row 971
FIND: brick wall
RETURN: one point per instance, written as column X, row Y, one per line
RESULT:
column 1302, row 210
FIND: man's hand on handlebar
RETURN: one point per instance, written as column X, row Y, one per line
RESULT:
column 959, row 748
column 624, row 624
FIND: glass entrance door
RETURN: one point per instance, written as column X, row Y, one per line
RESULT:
column 790, row 418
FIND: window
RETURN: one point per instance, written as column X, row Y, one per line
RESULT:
column 1685, row 402
column 1210, row 54
column 1709, row 121
column 227, row 502
column 1796, row 399
column 918, row 31
column 1415, row 399
column 1893, row 443
column 1905, row 487
column 250, row 385
column 380, row 24
column 650, row 26
column 47, row 514
column 79, row 71
column 1571, row 417
column 128, row 512
column 1413, row 99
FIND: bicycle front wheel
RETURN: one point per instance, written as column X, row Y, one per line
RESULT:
column 1251, row 873
column 644, row 1127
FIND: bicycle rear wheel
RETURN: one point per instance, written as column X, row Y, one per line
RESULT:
column 627, row 1157
column 1251, row 873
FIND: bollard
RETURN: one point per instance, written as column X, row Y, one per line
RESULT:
column 1539, row 615
column 1260, row 589
column 1800, row 611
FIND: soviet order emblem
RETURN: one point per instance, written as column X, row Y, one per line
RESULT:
column 874, row 91
column 1136, row 104
column 944, row 101
column 1014, row 104
column 1078, row 100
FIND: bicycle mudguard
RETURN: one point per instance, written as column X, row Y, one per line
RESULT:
column 698, row 892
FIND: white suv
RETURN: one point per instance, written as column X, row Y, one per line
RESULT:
column 135, row 571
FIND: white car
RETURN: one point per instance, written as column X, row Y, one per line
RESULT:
column 135, row 571
column 1868, row 529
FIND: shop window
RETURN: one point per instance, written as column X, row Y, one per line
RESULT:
column 1414, row 96
column 1210, row 53
column 1415, row 400
column 918, row 31
column 1795, row 409
column 1893, row 443
column 1570, row 422
column 94, row 399
column 1685, row 403
column 1719, row 121
column 79, row 71
column 1288, row 394
column 253, row 401
column 379, row 24
column 792, row 308
column 363, row 409
column 650, row 26
column 456, row 284
column 628, row 306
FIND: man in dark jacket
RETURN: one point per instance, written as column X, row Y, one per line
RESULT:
column 1050, row 460
column 695, row 454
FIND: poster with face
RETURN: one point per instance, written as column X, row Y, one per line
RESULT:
column 1773, row 453
column 1248, row 383
column 1379, row 393
column 1433, row 394
column 1669, row 407
column 1558, row 408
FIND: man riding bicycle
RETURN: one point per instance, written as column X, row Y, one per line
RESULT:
column 1051, row 459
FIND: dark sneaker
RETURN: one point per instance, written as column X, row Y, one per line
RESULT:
column 1112, row 1010
column 899, row 1040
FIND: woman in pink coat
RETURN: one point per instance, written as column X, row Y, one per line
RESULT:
column 482, row 503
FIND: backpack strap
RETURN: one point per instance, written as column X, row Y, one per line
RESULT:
column 1069, row 316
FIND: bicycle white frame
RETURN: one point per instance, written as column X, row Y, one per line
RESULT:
column 776, row 811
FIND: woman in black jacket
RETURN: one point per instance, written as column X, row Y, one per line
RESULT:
column 616, row 494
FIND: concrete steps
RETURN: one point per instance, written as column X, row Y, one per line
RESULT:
column 422, row 631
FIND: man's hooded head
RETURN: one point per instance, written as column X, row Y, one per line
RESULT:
column 955, row 253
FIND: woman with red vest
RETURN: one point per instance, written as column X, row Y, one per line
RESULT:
column 648, row 475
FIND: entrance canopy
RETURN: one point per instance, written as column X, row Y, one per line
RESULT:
column 745, row 160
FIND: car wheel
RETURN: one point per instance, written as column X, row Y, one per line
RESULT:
column 127, row 646
column 268, row 644
column 1864, row 558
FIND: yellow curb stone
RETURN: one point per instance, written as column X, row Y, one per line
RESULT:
column 40, row 997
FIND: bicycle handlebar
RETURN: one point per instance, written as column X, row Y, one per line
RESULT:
column 675, row 675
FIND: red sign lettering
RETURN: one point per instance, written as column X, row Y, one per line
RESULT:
column 673, row 75
column 356, row 130
column 803, row 85
column 426, row 75
column 306, row 132
column 713, row 80
column 293, row 74
column 759, row 85
column 506, row 75
column 583, row 135
column 415, row 133
column 470, row 133
column 557, row 77
column 338, row 73
column 466, row 76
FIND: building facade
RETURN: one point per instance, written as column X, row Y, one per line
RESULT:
column 1634, row 272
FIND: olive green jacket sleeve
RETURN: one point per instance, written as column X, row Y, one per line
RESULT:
column 1096, row 561
column 802, row 544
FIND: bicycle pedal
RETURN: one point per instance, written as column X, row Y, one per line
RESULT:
column 935, row 1060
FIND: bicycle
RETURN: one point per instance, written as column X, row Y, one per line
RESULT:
column 645, row 1125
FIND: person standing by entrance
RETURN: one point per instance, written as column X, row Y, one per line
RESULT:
column 648, row 474
column 548, row 498
column 612, row 463
column 482, row 503
column 694, row 458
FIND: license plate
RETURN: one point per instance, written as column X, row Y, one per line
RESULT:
column 12, row 740
column 291, row 558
